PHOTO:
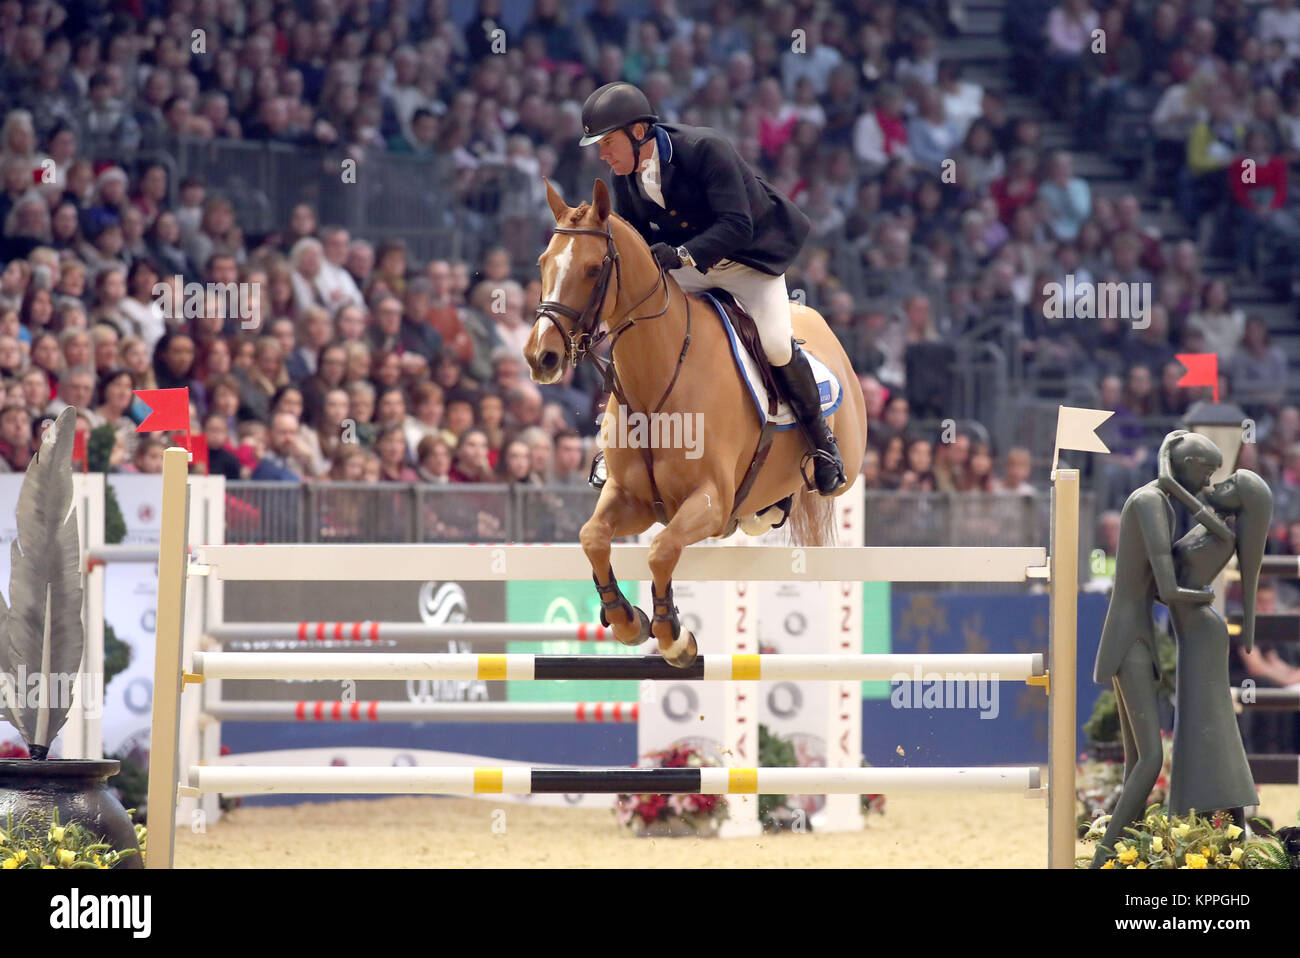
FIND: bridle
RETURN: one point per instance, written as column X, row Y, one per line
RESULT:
column 585, row 334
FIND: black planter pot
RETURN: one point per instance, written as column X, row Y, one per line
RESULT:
column 78, row 789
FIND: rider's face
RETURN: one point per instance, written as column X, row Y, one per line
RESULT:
column 616, row 150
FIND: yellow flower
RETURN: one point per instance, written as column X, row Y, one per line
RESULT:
column 1109, row 864
column 1234, row 865
column 9, row 864
column 56, row 833
column 1195, row 861
column 1180, row 831
column 1236, row 854
column 47, row 866
column 1128, row 856
column 1207, row 852
column 1234, row 831
column 66, row 857
column 1157, row 844
column 1140, row 865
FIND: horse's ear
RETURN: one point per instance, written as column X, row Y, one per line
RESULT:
column 600, row 200
column 558, row 207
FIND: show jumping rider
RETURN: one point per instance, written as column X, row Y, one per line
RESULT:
column 714, row 222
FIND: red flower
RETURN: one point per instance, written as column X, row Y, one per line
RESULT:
column 649, row 806
column 12, row 750
column 705, row 803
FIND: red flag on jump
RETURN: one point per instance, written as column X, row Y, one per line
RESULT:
column 169, row 410
column 1202, row 370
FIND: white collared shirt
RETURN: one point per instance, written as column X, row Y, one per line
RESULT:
column 650, row 175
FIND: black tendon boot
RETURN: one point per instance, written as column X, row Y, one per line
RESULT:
column 795, row 379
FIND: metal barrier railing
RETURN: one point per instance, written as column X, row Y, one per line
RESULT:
column 344, row 512
column 438, row 210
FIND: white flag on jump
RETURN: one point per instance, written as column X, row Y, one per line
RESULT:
column 1077, row 429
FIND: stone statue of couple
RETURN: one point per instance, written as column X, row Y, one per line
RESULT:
column 1209, row 770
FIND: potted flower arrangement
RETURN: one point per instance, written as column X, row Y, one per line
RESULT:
column 673, row 816
column 41, row 643
column 1193, row 842
column 31, row 842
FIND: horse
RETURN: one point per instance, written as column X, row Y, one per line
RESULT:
column 669, row 356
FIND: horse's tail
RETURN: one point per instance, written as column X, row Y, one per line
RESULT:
column 812, row 519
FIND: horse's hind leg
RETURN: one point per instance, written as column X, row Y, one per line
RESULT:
column 697, row 518
column 616, row 515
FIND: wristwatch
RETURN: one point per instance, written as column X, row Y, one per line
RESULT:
column 685, row 256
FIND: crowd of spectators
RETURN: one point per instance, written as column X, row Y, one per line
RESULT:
column 938, row 214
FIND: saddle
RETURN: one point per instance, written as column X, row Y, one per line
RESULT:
column 747, row 333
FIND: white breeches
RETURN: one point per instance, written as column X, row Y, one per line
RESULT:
column 762, row 295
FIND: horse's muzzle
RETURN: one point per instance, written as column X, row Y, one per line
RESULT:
column 548, row 361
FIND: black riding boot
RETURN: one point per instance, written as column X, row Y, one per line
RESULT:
column 796, row 381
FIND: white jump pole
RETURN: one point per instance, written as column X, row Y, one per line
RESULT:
column 533, row 563
column 399, row 666
column 425, row 780
column 164, row 742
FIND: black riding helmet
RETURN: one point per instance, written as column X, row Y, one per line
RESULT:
column 616, row 106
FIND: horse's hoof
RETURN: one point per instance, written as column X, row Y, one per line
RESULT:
column 643, row 629
column 682, row 653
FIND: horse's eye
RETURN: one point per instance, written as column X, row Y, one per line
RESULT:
column 593, row 271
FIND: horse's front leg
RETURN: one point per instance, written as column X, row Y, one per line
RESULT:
column 699, row 517
column 616, row 515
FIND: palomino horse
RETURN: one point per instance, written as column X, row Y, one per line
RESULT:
column 670, row 355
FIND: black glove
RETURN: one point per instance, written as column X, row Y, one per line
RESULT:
column 666, row 256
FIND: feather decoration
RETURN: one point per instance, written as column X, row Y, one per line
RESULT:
column 41, row 631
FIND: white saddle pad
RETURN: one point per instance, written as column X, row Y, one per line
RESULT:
column 828, row 385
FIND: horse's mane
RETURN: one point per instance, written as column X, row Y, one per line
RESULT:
column 579, row 213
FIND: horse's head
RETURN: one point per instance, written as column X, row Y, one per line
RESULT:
column 578, row 267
